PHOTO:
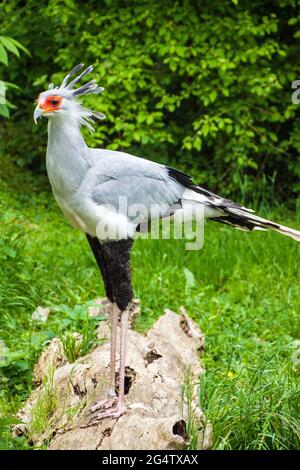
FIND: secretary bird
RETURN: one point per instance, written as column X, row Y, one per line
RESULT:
column 88, row 183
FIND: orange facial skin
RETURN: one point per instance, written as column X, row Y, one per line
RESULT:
column 51, row 103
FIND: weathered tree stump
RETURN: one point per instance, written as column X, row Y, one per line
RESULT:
column 157, row 365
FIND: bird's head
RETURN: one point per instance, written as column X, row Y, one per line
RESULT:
column 63, row 100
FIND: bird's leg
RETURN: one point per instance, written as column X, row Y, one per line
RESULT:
column 99, row 254
column 112, row 365
column 117, row 257
column 120, row 409
column 111, row 393
column 123, row 337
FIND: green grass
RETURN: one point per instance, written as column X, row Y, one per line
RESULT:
column 73, row 320
column 44, row 406
column 189, row 399
column 244, row 292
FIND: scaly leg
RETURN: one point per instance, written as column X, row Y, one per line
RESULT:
column 120, row 409
column 123, row 338
column 111, row 394
column 114, row 262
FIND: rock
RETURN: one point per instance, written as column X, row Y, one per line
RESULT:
column 99, row 306
column 103, row 306
column 41, row 314
column 3, row 351
column 157, row 365
column 191, row 329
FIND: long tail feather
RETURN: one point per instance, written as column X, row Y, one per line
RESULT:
column 226, row 211
column 246, row 221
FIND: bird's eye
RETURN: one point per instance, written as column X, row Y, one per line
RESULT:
column 54, row 102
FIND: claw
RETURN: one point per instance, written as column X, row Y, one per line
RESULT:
column 113, row 413
column 103, row 405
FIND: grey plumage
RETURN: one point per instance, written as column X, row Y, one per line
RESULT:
column 140, row 181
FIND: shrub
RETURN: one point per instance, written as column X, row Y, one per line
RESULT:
column 203, row 85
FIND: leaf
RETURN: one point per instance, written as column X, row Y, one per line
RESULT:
column 3, row 55
column 9, row 104
column 149, row 22
column 9, row 45
column 9, row 252
column 10, row 85
column 20, row 46
column 292, row 21
column 198, row 143
column 213, row 96
column 2, row 92
column 4, row 111
column 187, row 145
column 21, row 365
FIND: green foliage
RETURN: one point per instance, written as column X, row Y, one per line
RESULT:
column 7, row 44
column 248, row 410
column 78, row 321
column 193, row 423
column 205, row 85
column 44, row 406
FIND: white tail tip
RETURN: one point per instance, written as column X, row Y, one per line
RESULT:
column 289, row 232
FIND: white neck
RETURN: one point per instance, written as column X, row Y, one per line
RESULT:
column 66, row 130
column 67, row 154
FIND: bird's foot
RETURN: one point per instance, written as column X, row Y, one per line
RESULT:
column 103, row 405
column 113, row 413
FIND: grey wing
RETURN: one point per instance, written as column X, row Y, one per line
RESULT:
column 140, row 188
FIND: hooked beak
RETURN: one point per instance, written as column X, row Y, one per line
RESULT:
column 38, row 112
